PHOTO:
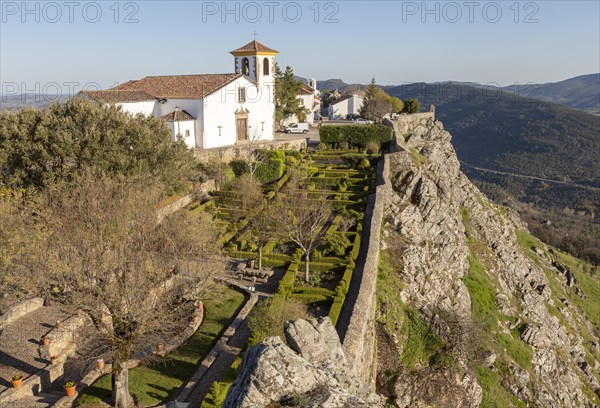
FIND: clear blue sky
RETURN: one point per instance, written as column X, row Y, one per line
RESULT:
column 394, row 41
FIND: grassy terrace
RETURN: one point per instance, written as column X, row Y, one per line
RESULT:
column 153, row 385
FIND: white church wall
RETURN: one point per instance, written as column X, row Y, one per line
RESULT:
column 134, row 108
column 220, row 120
column 192, row 106
column 183, row 128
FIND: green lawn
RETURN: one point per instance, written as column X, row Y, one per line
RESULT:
column 153, row 385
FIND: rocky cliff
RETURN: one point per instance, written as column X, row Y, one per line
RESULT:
column 471, row 309
column 310, row 371
column 487, row 315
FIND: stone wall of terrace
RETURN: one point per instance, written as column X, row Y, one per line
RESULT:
column 359, row 341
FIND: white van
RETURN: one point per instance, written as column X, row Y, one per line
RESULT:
column 297, row 128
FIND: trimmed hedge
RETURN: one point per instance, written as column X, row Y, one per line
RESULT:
column 286, row 284
column 355, row 248
column 296, row 154
column 310, row 298
column 336, row 308
column 346, row 278
column 270, row 171
column 356, row 136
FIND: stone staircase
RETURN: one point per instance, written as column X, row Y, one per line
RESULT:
column 41, row 400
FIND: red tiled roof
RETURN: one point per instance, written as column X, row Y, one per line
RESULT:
column 254, row 46
column 179, row 86
column 306, row 90
column 119, row 96
column 177, row 116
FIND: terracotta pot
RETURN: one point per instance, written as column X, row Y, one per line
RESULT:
column 181, row 332
column 196, row 318
column 70, row 391
column 160, row 347
column 100, row 365
column 17, row 383
column 45, row 341
column 53, row 360
column 200, row 305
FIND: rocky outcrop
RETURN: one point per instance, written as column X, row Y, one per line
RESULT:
column 312, row 369
column 444, row 220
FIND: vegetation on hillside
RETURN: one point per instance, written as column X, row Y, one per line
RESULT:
column 499, row 130
column 38, row 147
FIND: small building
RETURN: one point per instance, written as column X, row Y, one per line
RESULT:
column 345, row 105
column 311, row 101
column 207, row 110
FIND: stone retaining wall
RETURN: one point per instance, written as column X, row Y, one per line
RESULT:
column 359, row 342
column 227, row 154
column 405, row 122
column 19, row 310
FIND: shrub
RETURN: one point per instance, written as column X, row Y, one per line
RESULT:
column 355, row 159
column 267, row 155
column 335, row 244
column 336, row 308
column 373, row 147
column 239, row 167
column 355, row 136
column 291, row 161
column 270, row 170
column 310, row 298
column 293, row 153
column 269, row 315
column 364, row 164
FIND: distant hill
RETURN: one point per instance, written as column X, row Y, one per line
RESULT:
column 508, row 132
column 14, row 102
column 582, row 92
column 516, row 137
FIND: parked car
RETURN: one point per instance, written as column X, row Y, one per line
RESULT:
column 297, row 128
column 352, row 116
column 361, row 121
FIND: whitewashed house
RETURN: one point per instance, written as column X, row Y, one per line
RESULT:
column 345, row 105
column 207, row 110
column 310, row 100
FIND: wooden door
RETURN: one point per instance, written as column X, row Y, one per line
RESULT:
column 242, row 129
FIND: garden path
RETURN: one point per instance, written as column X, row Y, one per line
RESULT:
column 20, row 340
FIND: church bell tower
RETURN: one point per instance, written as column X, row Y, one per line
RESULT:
column 256, row 61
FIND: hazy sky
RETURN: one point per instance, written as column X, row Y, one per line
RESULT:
column 55, row 44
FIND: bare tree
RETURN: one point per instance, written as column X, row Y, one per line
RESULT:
column 246, row 201
column 137, row 278
column 254, row 156
column 302, row 220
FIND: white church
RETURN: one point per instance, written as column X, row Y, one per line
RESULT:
column 210, row 110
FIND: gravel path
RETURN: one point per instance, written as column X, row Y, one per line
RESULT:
column 19, row 343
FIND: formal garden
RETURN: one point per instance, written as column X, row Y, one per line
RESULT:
column 340, row 173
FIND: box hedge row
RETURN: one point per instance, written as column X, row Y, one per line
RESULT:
column 355, row 136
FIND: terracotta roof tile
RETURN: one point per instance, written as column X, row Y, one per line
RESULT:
column 254, row 46
column 179, row 86
column 177, row 116
column 306, row 90
column 119, row 96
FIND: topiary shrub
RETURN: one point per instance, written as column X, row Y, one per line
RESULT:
column 355, row 136
column 270, row 171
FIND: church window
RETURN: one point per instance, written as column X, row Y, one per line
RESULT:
column 187, row 133
column 241, row 94
column 266, row 66
column 245, row 66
